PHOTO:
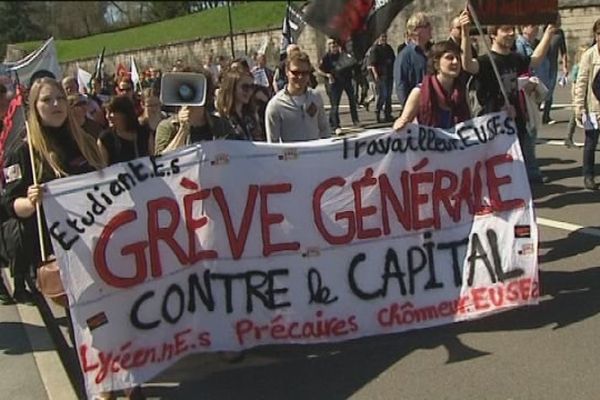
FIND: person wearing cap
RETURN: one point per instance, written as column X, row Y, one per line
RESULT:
column 78, row 105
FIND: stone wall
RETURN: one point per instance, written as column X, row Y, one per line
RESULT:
column 192, row 52
column 577, row 23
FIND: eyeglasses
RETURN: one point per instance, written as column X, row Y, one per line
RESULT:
column 425, row 26
column 246, row 87
column 298, row 72
column 127, row 89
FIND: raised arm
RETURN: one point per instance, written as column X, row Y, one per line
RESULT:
column 542, row 48
column 469, row 63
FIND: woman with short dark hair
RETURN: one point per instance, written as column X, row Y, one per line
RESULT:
column 125, row 139
column 440, row 100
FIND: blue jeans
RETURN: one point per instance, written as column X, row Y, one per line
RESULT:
column 384, row 95
column 550, row 82
column 335, row 96
column 589, row 152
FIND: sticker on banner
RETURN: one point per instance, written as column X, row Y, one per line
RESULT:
column 526, row 249
column 12, row 173
column 289, row 154
column 220, row 159
column 522, row 231
column 312, row 252
column 97, row 321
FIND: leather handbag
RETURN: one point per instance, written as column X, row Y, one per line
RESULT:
column 596, row 86
column 49, row 283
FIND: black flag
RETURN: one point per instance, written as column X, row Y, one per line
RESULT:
column 293, row 25
column 356, row 23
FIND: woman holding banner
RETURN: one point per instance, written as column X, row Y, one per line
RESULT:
column 60, row 148
column 57, row 146
column 441, row 98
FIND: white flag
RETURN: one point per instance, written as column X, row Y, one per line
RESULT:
column 135, row 77
column 83, row 80
column 43, row 60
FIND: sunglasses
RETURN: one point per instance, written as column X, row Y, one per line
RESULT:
column 299, row 72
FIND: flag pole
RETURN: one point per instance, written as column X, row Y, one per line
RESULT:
column 230, row 29
column 488, row 52
column 287, row 21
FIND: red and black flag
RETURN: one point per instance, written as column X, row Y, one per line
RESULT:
column 355, row 23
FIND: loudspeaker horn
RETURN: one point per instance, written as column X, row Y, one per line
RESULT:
column 183, row 89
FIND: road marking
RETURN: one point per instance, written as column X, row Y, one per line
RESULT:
column 566, row 226
column 554, row 142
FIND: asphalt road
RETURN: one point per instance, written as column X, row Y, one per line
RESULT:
column 549, row 351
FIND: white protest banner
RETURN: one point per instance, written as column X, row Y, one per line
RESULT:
column 43, row 59
column 227, row 245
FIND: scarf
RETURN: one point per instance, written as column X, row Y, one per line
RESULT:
column 434, row 98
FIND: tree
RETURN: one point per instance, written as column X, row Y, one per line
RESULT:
column 16, row 24
column 162, row 10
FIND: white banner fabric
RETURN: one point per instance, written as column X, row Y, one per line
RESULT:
column 226, row 245
column 44, row 58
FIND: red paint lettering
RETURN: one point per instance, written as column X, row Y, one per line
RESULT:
column 268, row 219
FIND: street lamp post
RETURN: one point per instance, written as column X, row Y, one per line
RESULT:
column 230, row 29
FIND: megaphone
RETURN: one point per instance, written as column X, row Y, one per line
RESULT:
column 183, row 89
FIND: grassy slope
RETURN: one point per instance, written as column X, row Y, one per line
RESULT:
column 246, row 17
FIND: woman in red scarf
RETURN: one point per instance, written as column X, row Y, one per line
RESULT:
column 441, row 98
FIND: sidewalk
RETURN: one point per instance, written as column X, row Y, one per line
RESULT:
column 30, row 363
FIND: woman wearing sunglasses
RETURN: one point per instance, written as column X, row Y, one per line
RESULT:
column 234, row 104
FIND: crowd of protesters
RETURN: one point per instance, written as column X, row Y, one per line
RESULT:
column 438, row 84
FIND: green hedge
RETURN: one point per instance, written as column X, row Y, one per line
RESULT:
column 249, row 16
